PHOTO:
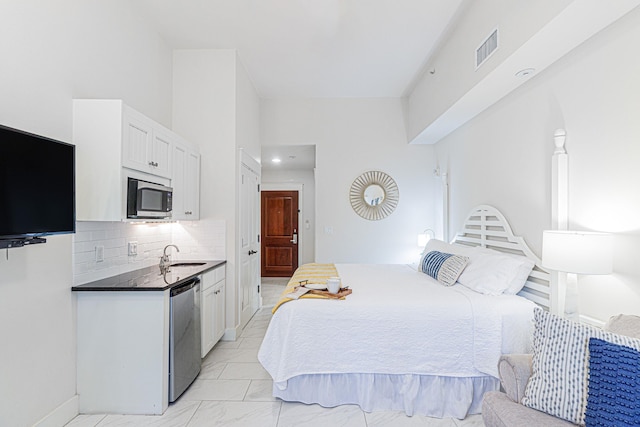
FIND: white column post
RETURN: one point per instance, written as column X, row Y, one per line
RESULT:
column 559, row 215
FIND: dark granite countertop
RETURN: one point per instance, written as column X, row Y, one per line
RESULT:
column 149, row 278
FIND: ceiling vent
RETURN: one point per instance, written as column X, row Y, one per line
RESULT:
column 486, row 49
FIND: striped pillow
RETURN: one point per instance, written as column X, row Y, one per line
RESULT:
column 558, row 383
column 443, row 267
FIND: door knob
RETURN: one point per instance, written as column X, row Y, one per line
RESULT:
column 253, row 252
column 294, row 239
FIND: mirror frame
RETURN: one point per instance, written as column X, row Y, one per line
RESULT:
column 384, row 209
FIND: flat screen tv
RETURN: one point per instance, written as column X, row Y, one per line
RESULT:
column 37, row 187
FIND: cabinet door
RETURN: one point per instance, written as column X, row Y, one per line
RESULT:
column 207, row 320
column 186, row 183
column 178, row 182
column 192, row 179
column 136, row 142
column 219, row 311
column 160, row 153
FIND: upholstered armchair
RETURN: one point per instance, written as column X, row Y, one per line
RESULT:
column 503, row 409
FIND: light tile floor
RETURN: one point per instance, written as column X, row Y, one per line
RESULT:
column 234, row 390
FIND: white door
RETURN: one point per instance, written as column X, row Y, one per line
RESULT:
column 249, row 243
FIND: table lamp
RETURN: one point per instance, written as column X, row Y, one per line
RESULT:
column 424, row 237
column 575, row 252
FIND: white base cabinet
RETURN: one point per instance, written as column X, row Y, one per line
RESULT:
column 123, row 352
column 212, row 311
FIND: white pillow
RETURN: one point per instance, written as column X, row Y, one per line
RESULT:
column 493, row 273
column 450, row 248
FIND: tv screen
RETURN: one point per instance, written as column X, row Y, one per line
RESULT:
column 37, row 185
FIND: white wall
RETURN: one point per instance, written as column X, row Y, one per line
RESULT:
column 216, row 106
column 304, row 182
column 353, row 136
column 453, row 66
column 503, row 157
column 54, row 52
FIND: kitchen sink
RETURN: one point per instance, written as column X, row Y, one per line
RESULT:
column 187, row 264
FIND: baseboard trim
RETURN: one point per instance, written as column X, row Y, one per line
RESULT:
column 231, row 334
column 61, row 415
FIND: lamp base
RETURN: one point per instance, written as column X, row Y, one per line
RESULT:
column 571, row 307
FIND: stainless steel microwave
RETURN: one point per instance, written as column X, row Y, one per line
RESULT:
column 148, row 200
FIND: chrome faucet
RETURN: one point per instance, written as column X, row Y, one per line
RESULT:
column 165, row 261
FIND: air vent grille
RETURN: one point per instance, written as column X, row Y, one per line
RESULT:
column 487, row 48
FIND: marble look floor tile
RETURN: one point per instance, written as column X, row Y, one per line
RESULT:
column 211, row 370
column 216, row 390
column 236, row 414
column 228, row 344
column 298, row 415
column 254, row 332
column 262, row 322
column 225, row 355
column 251, row 342
column 260, row 391
column 177, row 415
column 400, row 419
column 85, row 421
column 244, row 371
column 470, row 421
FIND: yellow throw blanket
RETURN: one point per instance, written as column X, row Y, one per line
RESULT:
column 313, row 273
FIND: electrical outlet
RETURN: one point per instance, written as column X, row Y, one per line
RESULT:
column 99, row 253
column 133, row 248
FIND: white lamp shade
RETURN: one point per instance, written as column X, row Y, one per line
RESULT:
column 580, row 252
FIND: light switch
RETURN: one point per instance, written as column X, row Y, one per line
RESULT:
column 133, row 248
column 99, row 253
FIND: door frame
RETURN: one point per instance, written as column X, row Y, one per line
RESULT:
column 291, row 186
column 245, row 159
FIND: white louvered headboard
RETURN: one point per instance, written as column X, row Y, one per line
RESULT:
column 487, row 227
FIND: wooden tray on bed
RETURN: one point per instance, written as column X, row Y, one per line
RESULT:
column 342, row 293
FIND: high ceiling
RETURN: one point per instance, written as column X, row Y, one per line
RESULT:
column 312, row 48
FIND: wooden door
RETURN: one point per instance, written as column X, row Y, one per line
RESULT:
column 279, row 233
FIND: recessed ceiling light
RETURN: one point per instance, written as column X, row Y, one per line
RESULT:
column 276, row 160
column 526, row 72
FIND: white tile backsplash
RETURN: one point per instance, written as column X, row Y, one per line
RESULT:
column 203, row 239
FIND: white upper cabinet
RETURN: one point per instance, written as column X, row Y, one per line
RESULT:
column 146, row 145
column 113, row 141
column 185, row 181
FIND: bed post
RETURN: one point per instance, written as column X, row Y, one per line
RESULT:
column 442, row 178
column 559, row 212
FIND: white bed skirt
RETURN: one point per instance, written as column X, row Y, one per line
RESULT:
column 433, row 396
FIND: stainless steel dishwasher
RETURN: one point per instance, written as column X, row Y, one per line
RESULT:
column 184, row 337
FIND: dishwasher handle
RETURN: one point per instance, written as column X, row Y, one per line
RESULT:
column 184, row 287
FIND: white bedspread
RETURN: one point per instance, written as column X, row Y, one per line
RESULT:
column 397, row 321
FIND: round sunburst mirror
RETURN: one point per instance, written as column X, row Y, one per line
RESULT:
column 374, row 195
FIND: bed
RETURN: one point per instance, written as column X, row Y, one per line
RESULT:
column 403, row 341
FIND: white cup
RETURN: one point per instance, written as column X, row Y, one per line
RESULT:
column 333, row 285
